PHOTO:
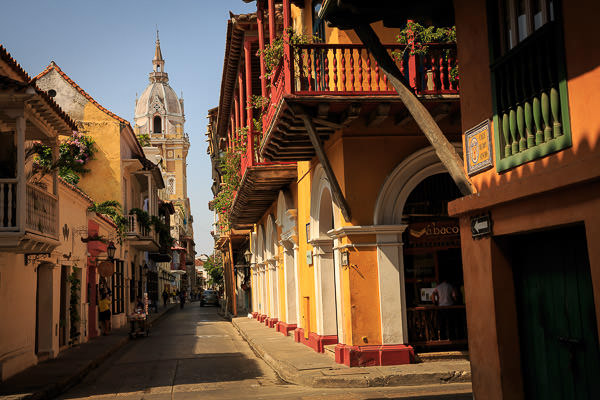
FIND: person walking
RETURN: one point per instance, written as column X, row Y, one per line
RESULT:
column 165, row 296
column 104, row 313
column 181, row 298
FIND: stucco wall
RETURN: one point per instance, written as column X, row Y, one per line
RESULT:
column 17, row 331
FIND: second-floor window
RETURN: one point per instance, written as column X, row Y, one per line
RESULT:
column 529, row 87
column 157, row 123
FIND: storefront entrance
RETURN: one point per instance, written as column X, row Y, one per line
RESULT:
column 558, row 334
column 433, row 276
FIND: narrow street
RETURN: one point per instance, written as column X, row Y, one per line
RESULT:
column 194, row 353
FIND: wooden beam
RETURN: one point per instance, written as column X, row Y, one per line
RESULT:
column 379, row 114
column 336, row 191
column 443, row 148
column 351, row 113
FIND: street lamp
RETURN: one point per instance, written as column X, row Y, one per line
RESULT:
column 248, row 256
column 110, row 250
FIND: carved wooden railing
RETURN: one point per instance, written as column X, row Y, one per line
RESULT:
column 529, row 105
column 433, row 325
column 134, row 228
column 42, row 211
column 351, row 70
column 8, row 205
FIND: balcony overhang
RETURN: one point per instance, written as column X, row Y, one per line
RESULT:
column 27, row 243
column 258, row 190
column 286, row 138
column 142, row 243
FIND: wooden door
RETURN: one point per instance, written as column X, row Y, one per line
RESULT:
column 557, row 319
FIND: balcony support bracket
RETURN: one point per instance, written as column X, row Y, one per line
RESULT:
column 443, row 148
column 336, row 191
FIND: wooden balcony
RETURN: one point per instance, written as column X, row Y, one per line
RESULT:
column 335, row 81
column 29, row 226
column 259, row 186
column 141, row 237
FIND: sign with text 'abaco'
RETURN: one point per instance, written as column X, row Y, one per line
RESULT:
column 478, row 148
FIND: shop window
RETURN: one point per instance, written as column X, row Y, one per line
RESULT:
column 531, row 114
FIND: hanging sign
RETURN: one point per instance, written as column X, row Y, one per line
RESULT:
column 106, row 269
column 478, row 148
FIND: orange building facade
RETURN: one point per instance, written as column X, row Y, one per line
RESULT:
column 344, row 198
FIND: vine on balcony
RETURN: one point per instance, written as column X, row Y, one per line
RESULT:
column 112, row 209
column 230, row 165
column 73, row 154
column 416, row 37
column 273, row 53
column 258, row 103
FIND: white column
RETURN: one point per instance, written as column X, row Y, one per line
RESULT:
column 324, row 288
column 297, row 287
column 338, row 291
column 290, row 279
column 392, row 291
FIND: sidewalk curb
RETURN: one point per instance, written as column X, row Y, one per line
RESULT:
column 53, row 390
column 286, row 372
column 317, row 379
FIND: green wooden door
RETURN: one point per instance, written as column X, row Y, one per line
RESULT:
column 557, row 322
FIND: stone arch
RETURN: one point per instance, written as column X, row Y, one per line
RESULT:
column 401, row 182
column 321, row 203
column 387, row 218
column 324, row 216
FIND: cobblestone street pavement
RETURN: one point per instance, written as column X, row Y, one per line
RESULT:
column 194, row 353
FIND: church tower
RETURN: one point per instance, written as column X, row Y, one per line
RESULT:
column 159, row 120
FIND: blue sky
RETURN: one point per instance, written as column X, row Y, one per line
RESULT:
column 107, row 48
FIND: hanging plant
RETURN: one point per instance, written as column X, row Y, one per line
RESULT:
column 417, row 39
column 113, row 210
column 74, row 153
column 273, row 53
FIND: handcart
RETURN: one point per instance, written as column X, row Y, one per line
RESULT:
column 139, row 324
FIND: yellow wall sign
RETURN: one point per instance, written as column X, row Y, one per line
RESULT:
column 478, row 148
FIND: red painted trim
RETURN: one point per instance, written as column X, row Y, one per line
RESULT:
column 364, row 356
column 254, row 314
column 284, row 328
column 271, row 322
column 314, row 341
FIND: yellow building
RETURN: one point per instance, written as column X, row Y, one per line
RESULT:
column 125, row 176
column 349, row 243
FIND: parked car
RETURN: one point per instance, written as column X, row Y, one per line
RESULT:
column 209, row 297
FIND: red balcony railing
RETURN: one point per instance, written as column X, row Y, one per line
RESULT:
column 351, row 70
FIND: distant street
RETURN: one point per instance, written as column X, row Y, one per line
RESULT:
column 194, row 354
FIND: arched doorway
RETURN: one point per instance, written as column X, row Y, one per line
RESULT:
column 322, row 220
column 404, row 202
column 433, row 266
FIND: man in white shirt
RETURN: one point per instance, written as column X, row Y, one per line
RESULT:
column 443, row 294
